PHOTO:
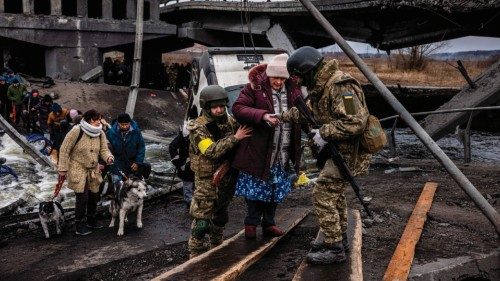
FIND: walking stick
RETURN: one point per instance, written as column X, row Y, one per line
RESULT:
column 172, row 181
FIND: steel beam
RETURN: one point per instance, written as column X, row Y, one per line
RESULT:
column 445, row 161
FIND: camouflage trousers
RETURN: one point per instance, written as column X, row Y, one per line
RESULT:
column 214, row 211
column 331, row 208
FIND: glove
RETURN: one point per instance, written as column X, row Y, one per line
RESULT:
column 319, row 142
column 291, row 115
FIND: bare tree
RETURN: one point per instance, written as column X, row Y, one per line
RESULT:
column 415, row 58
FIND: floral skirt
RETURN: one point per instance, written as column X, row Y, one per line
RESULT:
column 274, row 190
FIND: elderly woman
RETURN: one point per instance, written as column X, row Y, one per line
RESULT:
column 263, row 159
column 78, row 159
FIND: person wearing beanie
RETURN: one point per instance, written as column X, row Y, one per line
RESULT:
column 73, row 113
column 266, row 103
column 57, row 124
column 16, row 93
column 127, row 144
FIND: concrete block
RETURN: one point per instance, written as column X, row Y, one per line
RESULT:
column 92, row 75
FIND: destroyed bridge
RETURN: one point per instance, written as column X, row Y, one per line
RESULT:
column 67, row 38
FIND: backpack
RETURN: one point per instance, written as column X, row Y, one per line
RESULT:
column 373, row 137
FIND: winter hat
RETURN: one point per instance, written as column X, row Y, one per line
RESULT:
column 73, row 113
column 124, row 118
column 15, row 81
column 56, row 107
column 277, row 67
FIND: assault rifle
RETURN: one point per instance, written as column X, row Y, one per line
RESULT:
column 331, row 151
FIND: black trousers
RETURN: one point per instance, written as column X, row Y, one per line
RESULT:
column 86, row 205
column 260, row 212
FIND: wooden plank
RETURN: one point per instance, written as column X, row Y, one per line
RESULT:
column 400, row 264
column 234, row 255
column 352, row 269
column 28, row 148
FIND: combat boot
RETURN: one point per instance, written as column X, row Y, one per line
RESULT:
column 316, row 245
column 328, row 254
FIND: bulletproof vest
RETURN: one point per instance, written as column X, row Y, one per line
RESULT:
column 200, row 164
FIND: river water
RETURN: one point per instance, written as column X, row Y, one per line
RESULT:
column 36, row 183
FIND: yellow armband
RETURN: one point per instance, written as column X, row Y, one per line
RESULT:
column 204, row 144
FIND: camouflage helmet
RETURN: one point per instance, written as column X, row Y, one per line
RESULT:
column 303, row 60
column 212, row 93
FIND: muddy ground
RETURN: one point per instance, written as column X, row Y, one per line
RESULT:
column 455, row 227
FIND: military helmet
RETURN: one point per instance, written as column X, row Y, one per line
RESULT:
column 303, row 60
column 212, row 93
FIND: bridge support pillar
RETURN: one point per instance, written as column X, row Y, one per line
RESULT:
column 131, row 9
column 107, row 9
column 71, row 63
column 56, row 7
column 278, row 38
column 154, row 10
column 2, row 6
column 28, row 7
column 82, row 8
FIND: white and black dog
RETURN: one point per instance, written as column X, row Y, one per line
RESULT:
column 51, row 211
column 128, row 198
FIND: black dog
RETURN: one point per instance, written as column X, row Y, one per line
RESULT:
column 51, row 210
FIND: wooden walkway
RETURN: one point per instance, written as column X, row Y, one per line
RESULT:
column 235, row 255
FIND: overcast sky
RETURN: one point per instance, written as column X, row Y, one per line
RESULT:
column 469, row 43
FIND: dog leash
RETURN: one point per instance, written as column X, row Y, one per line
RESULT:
column 60, row 181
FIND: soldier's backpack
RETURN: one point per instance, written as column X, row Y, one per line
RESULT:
column 373, row 137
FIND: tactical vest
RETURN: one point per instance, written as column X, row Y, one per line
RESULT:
column 201, row 165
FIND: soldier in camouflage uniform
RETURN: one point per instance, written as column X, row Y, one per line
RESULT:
column 213, row 137
column 338, row 105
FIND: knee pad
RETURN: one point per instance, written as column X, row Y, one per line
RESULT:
column 201, row 227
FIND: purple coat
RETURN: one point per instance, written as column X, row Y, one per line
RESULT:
column 254, row 153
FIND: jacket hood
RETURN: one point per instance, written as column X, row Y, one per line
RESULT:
column 257, row 75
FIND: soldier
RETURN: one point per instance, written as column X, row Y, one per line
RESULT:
column 338, row 104
column 213, row 137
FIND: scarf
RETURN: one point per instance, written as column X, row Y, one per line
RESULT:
column 281, row 141
column 90, row 130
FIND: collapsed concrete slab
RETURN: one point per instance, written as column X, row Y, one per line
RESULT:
column 487, row 92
